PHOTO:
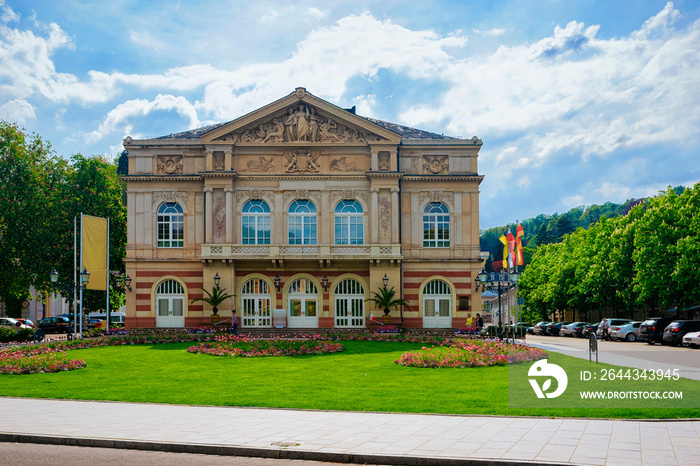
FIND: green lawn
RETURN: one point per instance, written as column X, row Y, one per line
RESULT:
column 363, row 378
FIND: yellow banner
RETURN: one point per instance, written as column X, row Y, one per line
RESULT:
column 95, row 251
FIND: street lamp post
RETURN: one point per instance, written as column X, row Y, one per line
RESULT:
column 84, row 279
column 500, row 283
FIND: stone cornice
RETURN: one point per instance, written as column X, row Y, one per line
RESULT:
column 220, row 174
column 477, row 178
column 148, row 177
column 372, row 174
column 302, row 178
column 442, row 142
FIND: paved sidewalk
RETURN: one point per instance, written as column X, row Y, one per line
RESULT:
column 349, row 436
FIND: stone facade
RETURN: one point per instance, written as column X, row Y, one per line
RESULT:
column 301, row 193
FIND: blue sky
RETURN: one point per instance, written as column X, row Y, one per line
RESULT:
column 577, row 103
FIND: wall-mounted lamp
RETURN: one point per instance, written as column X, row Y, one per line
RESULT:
column 385, row 280
column 277, row 283
column 217, row 280
column 127, row 282
column 325, row 283
column 53, row 276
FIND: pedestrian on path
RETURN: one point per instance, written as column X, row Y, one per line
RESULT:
column 479, row 322
column 234, row 322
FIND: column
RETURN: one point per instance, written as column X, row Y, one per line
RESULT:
column 375, row 215
column 208, row 207
column 230, row 212
column 395, row 215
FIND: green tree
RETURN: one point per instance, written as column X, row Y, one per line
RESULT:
column 31, row 178
column 387, row 300
column 215, row 299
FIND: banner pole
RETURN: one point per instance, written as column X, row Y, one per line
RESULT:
column 108, row 310
column 75, row 277
column 82, row 244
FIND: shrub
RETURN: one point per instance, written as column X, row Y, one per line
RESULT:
column 246, row 347
column 6, row 334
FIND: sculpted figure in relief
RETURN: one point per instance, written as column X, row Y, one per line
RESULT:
column 342, row 165
column 260, row 165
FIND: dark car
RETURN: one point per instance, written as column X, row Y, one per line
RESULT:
column 578, row 329
column 593, row 328
column 674, row 332
column 652, row 330
column 554, row 328
column 55, row 325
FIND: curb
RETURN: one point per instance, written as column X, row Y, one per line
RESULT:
column 252, row 452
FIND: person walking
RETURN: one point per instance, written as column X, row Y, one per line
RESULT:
column 479, row 323
column 234, row 322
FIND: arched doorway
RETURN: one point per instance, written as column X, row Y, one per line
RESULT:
column 170, row 304
column 437, row 304
column 256, row 302
column 302, row 296
column 349, row 304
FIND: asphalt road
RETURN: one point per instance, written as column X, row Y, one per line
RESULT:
column 28, row 454
column 636, row 354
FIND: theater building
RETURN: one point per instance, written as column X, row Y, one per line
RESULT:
column 301, row 209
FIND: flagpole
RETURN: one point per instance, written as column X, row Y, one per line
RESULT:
column 107, row 314
column 75, row 274
column 82, row 244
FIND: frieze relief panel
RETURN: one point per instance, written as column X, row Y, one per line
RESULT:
column 169, row 165
column 336, row 196
column 160, row 197
column 344, row 165
column 219, row 217
column 218, row 161
column 301, row 124
column 384, row 216
column 384, row 161
column 446, row 197
column 261, row 164
column 249, row 195
column 436, row 165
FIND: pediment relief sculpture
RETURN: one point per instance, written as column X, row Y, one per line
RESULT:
column 436, row 164
column 301, row 161
column 301, row 124
column 169, row 164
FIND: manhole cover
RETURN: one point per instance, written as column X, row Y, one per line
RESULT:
column 286, row 444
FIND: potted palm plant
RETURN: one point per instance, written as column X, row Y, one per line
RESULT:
column 214, row 299
column 386, row 299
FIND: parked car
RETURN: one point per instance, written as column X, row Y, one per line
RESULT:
column 554, row 328
column 27, row 322
column 610, row 323
column 676, row 330
column 521, row 328
column 55, row 324
column 577, row 331
column 592, row 328
column 652, row 330
column 13, row 324
column 531, row 330
column 540, row 328
column 568, row 329
column 629, row 332
column 692, row 339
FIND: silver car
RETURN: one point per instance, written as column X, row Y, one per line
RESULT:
column 14, row 324
column 629, row 332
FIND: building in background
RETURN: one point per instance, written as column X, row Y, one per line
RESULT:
column 302, row 208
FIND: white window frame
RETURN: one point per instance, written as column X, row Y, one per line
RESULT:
column 302, row 213
column 171, row 218
column 436, row 222
column 257, row 212
column 349, row 217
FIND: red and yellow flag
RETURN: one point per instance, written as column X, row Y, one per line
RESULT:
column 504, row 240
column 95, row 250
column 520, row 232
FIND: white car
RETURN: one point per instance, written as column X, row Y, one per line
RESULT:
column 692, row 339
column 629, row 332
column 13, row 324
column 568, row 329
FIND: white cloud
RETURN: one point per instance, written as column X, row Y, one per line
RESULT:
column 17, row 110
column 318, row 13
column 614, row 191
column 7, row 15
column 145, row 39
column 495, row 32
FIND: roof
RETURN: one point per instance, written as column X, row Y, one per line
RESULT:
column 405, row 132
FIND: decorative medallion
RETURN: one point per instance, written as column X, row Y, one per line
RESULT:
column 301, row 161
column 436, row 164
column 169, row 164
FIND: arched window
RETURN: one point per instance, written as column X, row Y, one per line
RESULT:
column 436, row 226
column 349, row 224
column 302, row 223
column 171, row 226
column 255, row 222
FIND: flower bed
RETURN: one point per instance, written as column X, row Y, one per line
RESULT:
column 37, row 360
column 471, row 353
column 246, row 347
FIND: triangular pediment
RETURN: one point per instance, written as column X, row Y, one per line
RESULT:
column 303, row 118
